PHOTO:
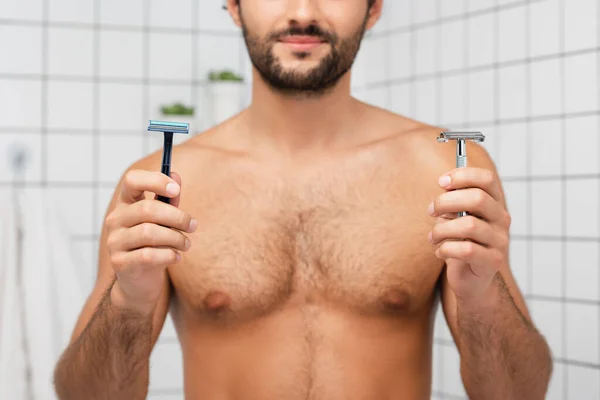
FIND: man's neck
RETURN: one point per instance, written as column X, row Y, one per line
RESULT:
column 294, row 123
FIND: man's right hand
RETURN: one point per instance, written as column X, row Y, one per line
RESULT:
column 145, row 236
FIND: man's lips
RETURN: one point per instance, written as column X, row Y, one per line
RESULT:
column 302, row 43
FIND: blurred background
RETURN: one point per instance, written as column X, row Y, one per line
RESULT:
column 79, row 80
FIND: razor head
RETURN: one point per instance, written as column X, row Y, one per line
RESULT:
column 477, row 137
column 168, row 127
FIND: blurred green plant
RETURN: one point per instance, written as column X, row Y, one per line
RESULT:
column 177, row 109
column 224, row 75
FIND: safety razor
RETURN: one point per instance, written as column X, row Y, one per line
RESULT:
column 461, row 148
column 168, row 128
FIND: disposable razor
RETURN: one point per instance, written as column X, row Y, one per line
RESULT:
column 461, row 148
column 168, row 128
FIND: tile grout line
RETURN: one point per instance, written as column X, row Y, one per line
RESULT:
column 458, row 17
column 96, row 135
column 131, row 132
column 413, row 59
column 563, row 211
column 117, row 28
column 145, row 69
column 482, row 67
column 195, row 65
column 466, row 54
column 598, row 171
column 496, row 85
column 529, row 148
column 44, row 95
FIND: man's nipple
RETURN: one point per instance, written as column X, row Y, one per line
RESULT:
column 216, row 301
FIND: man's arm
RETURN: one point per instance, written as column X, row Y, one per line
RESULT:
column 503, row 356
column 108, row 357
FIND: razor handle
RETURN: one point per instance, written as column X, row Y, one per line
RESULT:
column 166, row 161
column 461, row 162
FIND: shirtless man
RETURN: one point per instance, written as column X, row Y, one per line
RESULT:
column 296, row 257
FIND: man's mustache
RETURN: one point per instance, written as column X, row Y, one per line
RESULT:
column 309, row 30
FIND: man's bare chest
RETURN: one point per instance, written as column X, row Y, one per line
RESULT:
column 360, row 244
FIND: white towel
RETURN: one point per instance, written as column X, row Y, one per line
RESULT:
column 53, row 296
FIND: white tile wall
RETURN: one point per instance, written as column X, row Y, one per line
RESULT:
column 71, row 11
column 172, row 13
column 511, row 150
column 425, row 58
column 121, row 54
column 166, row 366
column 519, row 263
column 452, row 46
column 582, row 332
column 452, row 8
column 512, row 25
column 83, row 255
column 513, row 91
column 584, row 270
column 481, row 96
column 556, row 390
column 377, row 55
column 546, row 148
column 400, row 59
column 113, row 13
column 581, row 79
column 581, row 20
column 582, row 208
column 70, row 105
column 583, row 158
column 547, row 266
column 384, row 24
column 70, row 166
column 117, row 153
column 23, row 55
column 70, row 54
column 453, row 105
column 80, row 130
column 75, row 207
column 584, row 383
column 160, row 95
column 400, row 98
column 121, row 107
column 480, row 5
column 548, row 317
column 20, row 104
column 31, row 143
column 211, row 55
column 544, row 27
column 21, row 9
column 426, row 100
column 171, row 56
column 533, row 146
column 212, row 17
column 546, row 203
column 516, row 198
column 480, row 40
column 425, row 11
column 545, row 83
column 376, row 96
column 452, row 380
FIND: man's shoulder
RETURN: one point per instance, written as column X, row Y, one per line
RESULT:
column 187, row 155
column 418, row 140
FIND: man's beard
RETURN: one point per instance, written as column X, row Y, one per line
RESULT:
column 315, row 81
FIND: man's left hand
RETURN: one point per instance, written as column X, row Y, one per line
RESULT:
column 474, row 247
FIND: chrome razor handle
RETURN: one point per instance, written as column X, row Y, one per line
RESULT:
column 461, row 149
column 461, row 162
